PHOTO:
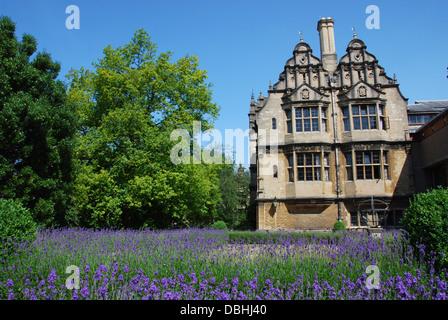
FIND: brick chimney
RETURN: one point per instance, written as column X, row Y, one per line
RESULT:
column 325, row 26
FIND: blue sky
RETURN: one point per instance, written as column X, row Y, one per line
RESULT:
column 244, row 43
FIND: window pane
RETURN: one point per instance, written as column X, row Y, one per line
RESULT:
column 306, row 125
column 345, row 112
column 385, row 157
column 367, row 159
column 314, row 112
column 274, row 123
column 291, row 175
column 356, row 123
column 363, row 110
column 326, row 162
column 376, row 157
column 350, row 173
column 288, row 114
column 308, row 159
column 348, row 159
column 372, row 122
column 317, row 174
column 368, row 172
column 298, row 112
column 358, row 157
column 324, row 125
column 274, row 169
column 290, row 160
column 355, row 110
column 360, row 172
column 365, row 123
column 377, row 172
column 299, row 127
column 317, row 159
column 347, row 124
column 315, row 124
column 386, row 172
column 300, row 174
column 372, row 110
column 380, row 110
column 300, row 159
column 324, row 112
column 327, row 174
column 309, row 174
column 289, row 125
column 306, row 112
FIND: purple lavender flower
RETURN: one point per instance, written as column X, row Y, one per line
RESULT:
column 52, row 276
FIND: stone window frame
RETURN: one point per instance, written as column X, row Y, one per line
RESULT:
column 314, row 170
column 289, row 126
column 371, row 169
column 291, row 118
column 364, row 122
column 304, row 114
column 290, row 166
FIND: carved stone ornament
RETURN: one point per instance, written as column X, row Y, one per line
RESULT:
column 357, row 56
column 305, row 94
column 362, row 91
column 302, row 60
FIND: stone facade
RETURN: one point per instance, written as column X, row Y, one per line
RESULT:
column 330, row 142
column 430, row 153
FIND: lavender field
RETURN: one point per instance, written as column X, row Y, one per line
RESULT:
column 208, row 264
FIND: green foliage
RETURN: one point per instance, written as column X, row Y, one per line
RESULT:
column 219, row 225
column 36, row 129
column 338, row 225
column 426, row 221
column 234, row 188
column 128, row 106
column 16, row 226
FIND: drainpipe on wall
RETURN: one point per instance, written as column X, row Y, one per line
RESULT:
column 332, row 81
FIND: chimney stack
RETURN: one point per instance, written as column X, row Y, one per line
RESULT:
column 325, row 26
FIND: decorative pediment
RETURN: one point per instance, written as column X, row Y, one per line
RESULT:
column 360, row 90
column 303, row 93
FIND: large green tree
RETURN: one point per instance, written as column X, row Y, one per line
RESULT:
column 36, row 129
column 233, row 208
column 127, row 106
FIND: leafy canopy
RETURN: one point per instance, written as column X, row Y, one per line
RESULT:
column 127, row 107
column 36, row 129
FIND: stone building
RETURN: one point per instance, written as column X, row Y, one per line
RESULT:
column 422, row 111
column 430, row 153
column 330, row 141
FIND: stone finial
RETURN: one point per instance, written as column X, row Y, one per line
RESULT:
column 354, row 33
column 301, row 37
column 270, row 85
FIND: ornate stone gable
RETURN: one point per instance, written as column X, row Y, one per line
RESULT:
column 361, row 90
column 304, row 93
